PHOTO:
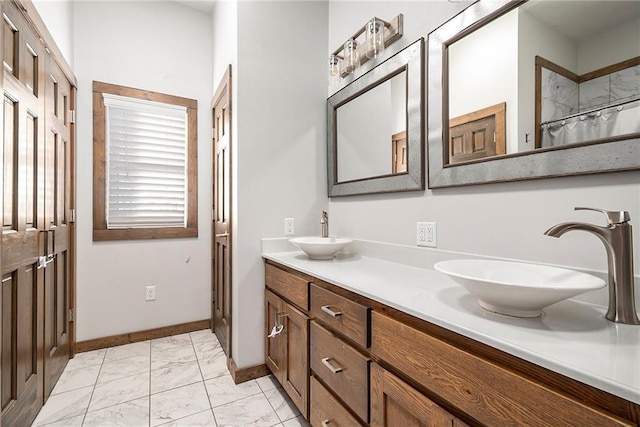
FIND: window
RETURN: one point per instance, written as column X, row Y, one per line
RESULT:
column 144, row 164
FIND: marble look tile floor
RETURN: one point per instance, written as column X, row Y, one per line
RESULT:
column 177, row 381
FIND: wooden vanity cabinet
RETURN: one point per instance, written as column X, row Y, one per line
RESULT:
column 287, row 352
column 366, row 363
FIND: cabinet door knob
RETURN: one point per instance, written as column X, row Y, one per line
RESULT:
column 334, row 369
column 325, row 423
column 327, row 309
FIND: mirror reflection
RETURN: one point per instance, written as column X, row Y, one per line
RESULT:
column 545, row 74
column 371, row 131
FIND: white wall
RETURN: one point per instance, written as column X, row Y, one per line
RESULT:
column 163, row 47
column 505, row 220
column 364, row 129
column 58, row 17
column 616, row 45
column 224, row 42
column 486, row 76
column 280, row 146
column 536, row 38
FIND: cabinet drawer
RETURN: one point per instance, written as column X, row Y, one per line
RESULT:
column 342, row 368
column 326, row 411
column 485, row 391
column 341, row 314
column 288, row 285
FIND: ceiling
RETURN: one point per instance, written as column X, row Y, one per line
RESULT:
column 202, row 5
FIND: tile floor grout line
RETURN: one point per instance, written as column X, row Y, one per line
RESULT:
column 84, row 417
column 204, row 384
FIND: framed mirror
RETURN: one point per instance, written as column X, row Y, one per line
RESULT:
column 533, row 89
column 375, row 130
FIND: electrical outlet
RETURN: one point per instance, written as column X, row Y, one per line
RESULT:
column 288, row 226
column 426, row 234
column 150, row 293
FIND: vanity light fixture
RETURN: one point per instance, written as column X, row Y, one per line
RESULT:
column 374, row 36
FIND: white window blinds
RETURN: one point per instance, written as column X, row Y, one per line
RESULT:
column 146, row 148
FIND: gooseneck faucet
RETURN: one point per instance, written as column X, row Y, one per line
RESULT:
column 618, row 242
column 324, row 220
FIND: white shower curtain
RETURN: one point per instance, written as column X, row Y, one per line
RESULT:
column 598, row 124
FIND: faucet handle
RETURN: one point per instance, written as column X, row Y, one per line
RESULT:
column 613, row 217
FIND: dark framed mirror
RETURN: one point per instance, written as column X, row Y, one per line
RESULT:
column 375, row 128
column 533, row 89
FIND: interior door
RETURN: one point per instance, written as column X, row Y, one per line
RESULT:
column 478, row 134
column 23, row 221
column 221, row 214
column 399, row 152
column 57, row 210
column 36, row 257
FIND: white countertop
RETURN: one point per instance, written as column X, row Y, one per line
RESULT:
column 572, row 338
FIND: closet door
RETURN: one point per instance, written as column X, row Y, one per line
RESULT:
column 23, row 220
column 57, row 224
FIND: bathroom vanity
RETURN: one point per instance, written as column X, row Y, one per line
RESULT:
column 365, row 341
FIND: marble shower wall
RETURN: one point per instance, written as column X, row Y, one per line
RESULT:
column 562, row 97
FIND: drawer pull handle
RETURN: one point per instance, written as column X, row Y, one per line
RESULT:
column 327, row 309
column 329, row 365
column 325, row 423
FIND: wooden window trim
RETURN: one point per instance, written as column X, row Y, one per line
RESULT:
column 100, row 230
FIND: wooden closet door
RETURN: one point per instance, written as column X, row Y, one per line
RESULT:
column 57, row 211
column 221, row 242
column 23, row 220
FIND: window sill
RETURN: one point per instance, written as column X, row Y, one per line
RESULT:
column 144, row 234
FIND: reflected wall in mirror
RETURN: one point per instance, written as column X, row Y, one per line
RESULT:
column 375, row 128
column 368, row 127
column 565, row 75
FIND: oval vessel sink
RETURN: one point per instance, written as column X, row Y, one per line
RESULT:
column 515, row 288
column 320, row 247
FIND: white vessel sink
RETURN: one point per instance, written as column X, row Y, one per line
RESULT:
column 320, row 247
column 517, row 289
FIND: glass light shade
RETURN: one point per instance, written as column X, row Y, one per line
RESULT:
column 334, row 66
column 351, row 56
column 375, row 38
column 334, row 70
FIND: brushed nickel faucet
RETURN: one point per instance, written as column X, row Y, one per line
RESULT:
column 618, row 242
column 324, row 220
